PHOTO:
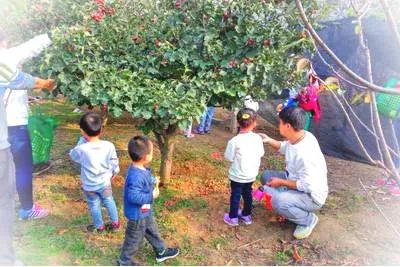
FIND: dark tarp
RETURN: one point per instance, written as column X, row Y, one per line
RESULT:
column 333, row 131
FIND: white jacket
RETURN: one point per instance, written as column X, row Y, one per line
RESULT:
column 11, row 58
column 17, row 100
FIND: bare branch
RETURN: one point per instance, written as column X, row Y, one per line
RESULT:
column 348, row 71
column 390, row 20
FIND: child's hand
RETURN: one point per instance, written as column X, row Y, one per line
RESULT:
column 265, row 138
column 156, row 193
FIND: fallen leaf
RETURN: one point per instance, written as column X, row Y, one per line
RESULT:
column 62, row 231
column 380, row 192
column 296, row 255
column 238, row 237
column 216, row 155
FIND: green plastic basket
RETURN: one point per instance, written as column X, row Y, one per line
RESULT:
column 307, row 126
column 389, row 105
column 41, row 130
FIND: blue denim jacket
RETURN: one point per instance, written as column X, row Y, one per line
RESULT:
column 138, row 193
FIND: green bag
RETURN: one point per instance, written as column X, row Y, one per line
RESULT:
column 389, row 105
column 307, row 126
column 41, row 130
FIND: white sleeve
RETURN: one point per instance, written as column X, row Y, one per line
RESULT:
column 282, row 149
column 114, row 162
column 30, row 49
column 306, row 168
column 230, row 151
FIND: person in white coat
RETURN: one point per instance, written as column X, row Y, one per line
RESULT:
column 11, row 77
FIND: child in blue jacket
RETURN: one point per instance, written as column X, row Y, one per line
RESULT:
column 139, row 192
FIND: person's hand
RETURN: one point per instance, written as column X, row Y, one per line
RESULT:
column 275, row 182
column 265, row 138
column 156, row 193
column 157, row 182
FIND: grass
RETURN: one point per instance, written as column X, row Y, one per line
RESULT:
column 61, row 238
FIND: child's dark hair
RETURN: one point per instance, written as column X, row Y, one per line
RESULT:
column 90, row 123
column 139, row 147
column 295, row 116
column 246, row 117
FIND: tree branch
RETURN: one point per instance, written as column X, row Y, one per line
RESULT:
column 348, row 71
column 390, row 20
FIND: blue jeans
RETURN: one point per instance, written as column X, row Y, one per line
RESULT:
column 21, row 148
column 95, row 199
column 239, row 190
column 295, row 205
column 206, row 119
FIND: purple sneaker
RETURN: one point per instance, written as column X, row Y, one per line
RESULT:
column 246, row 219
column 196, row 131
column 230, row 221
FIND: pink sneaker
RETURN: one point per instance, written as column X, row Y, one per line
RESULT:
column 231, row 221
column 35, row 213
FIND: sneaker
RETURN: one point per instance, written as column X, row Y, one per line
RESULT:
column 77, row 110
column 302, row 231
column 113, row 227
column 189, row 135
column 91, row 228
column 168, row 253
column 230, row 221
column 246, row 219
column 35, row 213
column 41, row 167
column 132, row 263
column 196, row 131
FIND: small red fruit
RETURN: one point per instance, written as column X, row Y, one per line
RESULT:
column 267, row 42
column 251, row 42
column 233, row 63
column 97, row 16
column 104, row 107
column 154, row 20
column 303, row 35
column 247, row 60
column 100, row 2
column 136, row 38
column 156, row 106
column 109, row 11
column 226, row 15
column 157, row 42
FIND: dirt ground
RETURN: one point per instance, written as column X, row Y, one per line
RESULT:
column 351, row 230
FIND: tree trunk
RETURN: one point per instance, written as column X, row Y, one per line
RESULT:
column 166, row 144
column 104, row 116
